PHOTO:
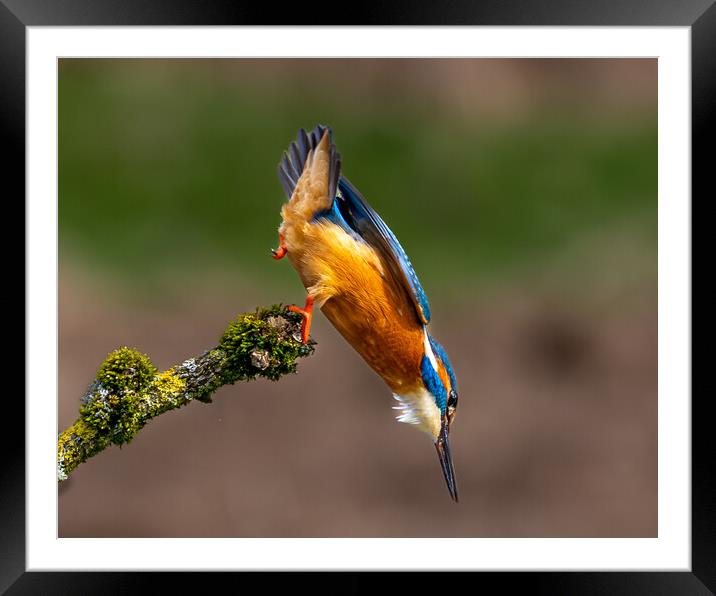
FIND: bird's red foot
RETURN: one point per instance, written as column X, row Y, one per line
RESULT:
column 307, row 313
column 280, row 252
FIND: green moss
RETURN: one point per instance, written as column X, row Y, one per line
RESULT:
column 168, row 392
column 75, row 445
column 126, row 368
column 113, row 404
column 275, row 333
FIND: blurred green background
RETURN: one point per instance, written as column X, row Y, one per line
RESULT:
column 525, row 193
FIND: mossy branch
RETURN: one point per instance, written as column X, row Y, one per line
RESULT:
column 129, row 391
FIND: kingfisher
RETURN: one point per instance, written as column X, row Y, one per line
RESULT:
column 358, row 274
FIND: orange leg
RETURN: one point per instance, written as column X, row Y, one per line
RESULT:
column 280, row 252
column 307, row 313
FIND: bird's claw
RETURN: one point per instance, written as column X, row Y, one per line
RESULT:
column 280, row 252
column 307, row 314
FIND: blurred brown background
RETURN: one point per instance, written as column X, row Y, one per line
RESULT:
column 524, row 192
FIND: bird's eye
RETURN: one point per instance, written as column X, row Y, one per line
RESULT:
column 452, row 399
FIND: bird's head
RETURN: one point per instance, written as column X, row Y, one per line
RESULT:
column 433, row 405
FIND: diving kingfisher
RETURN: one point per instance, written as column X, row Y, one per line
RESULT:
column 355, row 270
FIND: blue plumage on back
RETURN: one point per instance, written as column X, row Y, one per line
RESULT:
column 351, row 211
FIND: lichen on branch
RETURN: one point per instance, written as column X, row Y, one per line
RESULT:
column 129, row 391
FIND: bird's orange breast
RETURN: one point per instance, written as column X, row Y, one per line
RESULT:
column 353, row 288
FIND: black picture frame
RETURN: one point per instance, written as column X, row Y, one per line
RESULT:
column 17, row 15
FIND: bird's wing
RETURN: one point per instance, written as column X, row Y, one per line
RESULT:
column 353, row 209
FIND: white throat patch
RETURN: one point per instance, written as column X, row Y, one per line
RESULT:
column 429, row 350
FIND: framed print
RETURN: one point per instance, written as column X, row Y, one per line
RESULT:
column 537, row 164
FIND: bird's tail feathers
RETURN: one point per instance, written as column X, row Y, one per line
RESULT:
column 302, row 151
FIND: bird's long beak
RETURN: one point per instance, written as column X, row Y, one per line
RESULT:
column 442, row 446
